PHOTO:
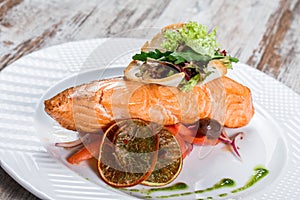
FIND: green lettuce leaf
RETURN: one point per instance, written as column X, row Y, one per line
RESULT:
column 194, row 35
column 187, row 86
column 189, row 56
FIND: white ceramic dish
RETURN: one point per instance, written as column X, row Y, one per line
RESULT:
column 27, row 134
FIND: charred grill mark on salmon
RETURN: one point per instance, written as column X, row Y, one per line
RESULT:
column 59, row 108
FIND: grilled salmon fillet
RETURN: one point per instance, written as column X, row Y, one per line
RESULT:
column 93, row 106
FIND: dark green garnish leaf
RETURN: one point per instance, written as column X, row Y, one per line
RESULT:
column 156, row 55
column 226, row 60
column 172, row 57
column 218, row 57
column 190, row 55
column 233, row 59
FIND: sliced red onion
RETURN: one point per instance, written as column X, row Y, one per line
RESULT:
column 224, row 138
column 232, row 142
column 72, row 143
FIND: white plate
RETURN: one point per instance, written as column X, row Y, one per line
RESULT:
column 27, row 133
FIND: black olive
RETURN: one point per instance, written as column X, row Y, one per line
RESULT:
column 209, row 127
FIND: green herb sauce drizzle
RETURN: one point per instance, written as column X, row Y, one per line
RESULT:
column 174, row 187
column 225, row 182
column 259, row 173
column 223, row 195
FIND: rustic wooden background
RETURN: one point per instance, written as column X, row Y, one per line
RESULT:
column 264, row 34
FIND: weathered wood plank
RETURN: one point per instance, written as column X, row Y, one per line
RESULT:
column 279, row 47
column 264, row 34
column 11, row 190
column 5, row 6
column 83, row 21
column 28, row 46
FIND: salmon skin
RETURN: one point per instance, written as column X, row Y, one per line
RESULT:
column 93, row 106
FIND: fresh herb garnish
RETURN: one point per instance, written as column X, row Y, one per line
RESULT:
column 188, row 49
column 172, row 57
column 190, row 55
column 227, row 60
column 182, row 57
column 187, row 86
column 157, row 55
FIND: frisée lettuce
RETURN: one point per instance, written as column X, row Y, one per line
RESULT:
column 194, row 35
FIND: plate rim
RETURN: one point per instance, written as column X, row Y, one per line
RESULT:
column 25, row 183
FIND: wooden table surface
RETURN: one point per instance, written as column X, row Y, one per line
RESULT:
column 263, row 34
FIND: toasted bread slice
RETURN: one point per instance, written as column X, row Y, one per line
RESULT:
column 134, row 67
